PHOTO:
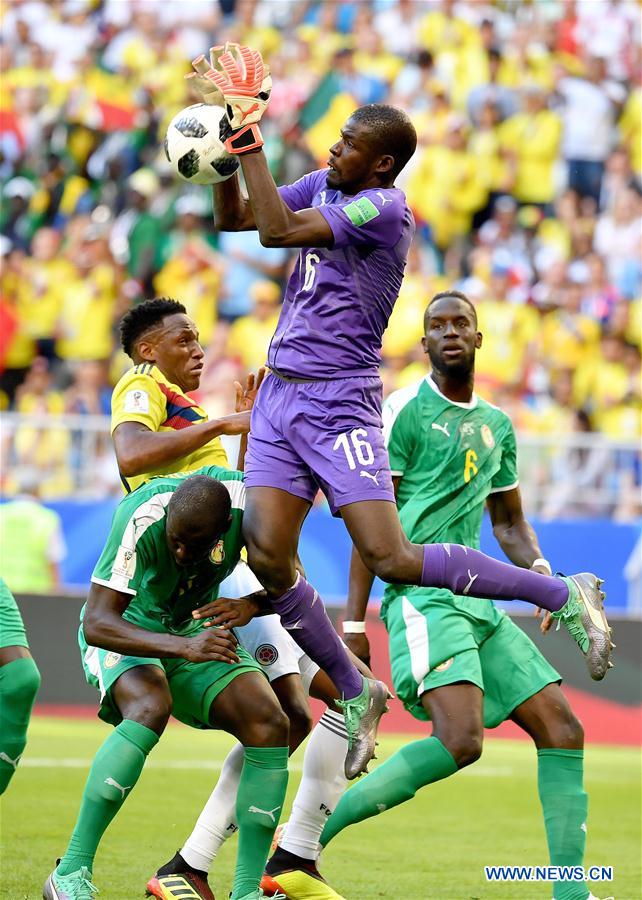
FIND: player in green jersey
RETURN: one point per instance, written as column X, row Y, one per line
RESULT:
column 172, row 542
column 458, row 661
column 19, row 683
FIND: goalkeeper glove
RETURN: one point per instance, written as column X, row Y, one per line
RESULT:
column 244, row 82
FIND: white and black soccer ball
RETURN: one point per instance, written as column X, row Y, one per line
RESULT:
column 194, row 145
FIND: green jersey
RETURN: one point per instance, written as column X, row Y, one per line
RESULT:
column 451, row 456
column 137, row 560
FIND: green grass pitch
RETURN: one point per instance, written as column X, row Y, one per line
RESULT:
column 433, row 847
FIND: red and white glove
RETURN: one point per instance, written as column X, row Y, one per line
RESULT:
column 244, row 82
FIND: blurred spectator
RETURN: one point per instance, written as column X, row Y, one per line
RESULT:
column 31, row 538
column 493, row 91
column 246, row 261
column 617, row 238
column 89, row 394
column 568, row 337
column 590, row 106
column 532, row 138
column 249, row 337
column 509, row 330
column 444, row 189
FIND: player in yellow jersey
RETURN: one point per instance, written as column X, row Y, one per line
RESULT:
column 157, row 428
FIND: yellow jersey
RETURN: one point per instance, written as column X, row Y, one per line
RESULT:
column 144, row 395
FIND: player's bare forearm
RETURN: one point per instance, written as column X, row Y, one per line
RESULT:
column 359, row 587
column 513, row 532
column 104, row 626
column 232, row 211
column 277, row 225
column 140, row 450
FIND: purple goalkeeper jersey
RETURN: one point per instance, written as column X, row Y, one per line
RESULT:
column 338, row 301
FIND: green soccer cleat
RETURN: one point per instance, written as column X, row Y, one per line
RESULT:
column 583, row 616
column 75, row 886
column 362, row 714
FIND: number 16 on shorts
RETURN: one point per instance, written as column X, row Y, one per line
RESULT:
column 354, row 444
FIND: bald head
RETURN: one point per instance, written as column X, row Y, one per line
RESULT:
column 197, row 516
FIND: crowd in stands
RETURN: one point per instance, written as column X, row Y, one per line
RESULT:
column 526, row 189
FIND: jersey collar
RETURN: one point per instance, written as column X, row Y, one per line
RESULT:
column 472, row 403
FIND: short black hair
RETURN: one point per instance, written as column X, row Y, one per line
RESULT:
column 391, row 129
column 146, row 315
column 200, row 504
column 458, row 295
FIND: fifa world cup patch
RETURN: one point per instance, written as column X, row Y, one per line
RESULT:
column 137, row 401
column 125, row 562
column 266, row 654
column 361, row 211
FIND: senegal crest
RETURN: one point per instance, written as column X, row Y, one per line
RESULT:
column 487, row 436
column 218, row 553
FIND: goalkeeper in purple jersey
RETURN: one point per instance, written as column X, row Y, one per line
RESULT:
column 316, row 422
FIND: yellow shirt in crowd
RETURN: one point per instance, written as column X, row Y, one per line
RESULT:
column 535, row 141
column 568, row 340
column 508, row 331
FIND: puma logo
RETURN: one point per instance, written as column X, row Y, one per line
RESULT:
column 265, row 812
column 12, row 762
column 249, row 111
column 374, row 477
column 384, row 200
column 113, row 783
column 437, row 427
column 470, row 583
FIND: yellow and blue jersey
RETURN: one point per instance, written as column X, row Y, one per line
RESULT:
column 145, row 395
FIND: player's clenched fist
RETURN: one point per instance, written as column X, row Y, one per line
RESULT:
column 214, row 644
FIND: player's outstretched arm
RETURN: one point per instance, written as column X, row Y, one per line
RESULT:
column 139, row 449
column 104, row 626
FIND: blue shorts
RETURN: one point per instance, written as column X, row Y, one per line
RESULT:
column 320, row 434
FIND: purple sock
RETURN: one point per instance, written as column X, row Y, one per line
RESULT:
column 303, row 614
column 466, row 571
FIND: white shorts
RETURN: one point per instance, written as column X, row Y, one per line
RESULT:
column 264, row 637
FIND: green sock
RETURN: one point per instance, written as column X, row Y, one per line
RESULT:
column 19, row 683
column 113, row 774
column 565, row 805
column 393, row 782
column 258, row 806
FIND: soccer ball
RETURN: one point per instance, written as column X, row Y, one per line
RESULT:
column 194, row 145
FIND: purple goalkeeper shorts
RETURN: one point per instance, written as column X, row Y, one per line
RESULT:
column 320, row 434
